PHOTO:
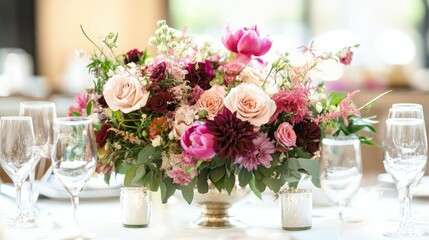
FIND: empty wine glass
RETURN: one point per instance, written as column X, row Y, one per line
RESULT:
column 42, row 114
column 74, row 156
column 340, row 169
column 16, row 156
column 405, row 160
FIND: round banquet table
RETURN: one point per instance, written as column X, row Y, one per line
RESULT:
column 373, row 211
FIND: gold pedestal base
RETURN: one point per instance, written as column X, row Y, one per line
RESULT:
column 215, row 215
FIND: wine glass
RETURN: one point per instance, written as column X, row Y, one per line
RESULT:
column 74, row 156
column 340, row 169
column 17, row 153
column 42, row 114
column 405, row 160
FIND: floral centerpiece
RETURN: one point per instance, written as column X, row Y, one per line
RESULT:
column 199, row 114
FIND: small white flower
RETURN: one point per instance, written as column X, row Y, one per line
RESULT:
column 161, row 23
column 152, row 40
column 117, row 146
column 171, row 135
column 157, row 141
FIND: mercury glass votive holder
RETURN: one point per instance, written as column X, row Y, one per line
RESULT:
column 296, row 207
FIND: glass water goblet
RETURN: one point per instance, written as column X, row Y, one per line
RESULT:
column 340, row 169
column 405, row 158
column 42, row 114
column 408, row 110
column 74, row 157
column 16, row 155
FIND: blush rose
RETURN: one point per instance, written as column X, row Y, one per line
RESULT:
column 250, row 104
column 124, row 93
column 212, row 100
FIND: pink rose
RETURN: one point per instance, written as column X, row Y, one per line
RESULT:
column 250, row 103
column 285, row 135
column 212, row 100
column 183, row 119
column 198, row 142
column 124, row 93
column 246, row 41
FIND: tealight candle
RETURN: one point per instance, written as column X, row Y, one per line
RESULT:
column 135, row 204
column 296, row 205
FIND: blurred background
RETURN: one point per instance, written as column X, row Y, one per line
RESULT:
column 39, row 39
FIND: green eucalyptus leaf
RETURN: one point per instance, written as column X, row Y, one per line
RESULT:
column 219, row 184
column 244, row 177
column 261, row 186
column 89, row 108
column 336, row 97
column 229, row 183
column 188, row 194
column 255, row 189
column 188, row 190
column 273, row 184
column 217, row 174
column 167, row 189
column 147, row 154
column 129, row 176
column 202, row 184
column 107, row 178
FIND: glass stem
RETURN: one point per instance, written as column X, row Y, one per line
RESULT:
column 19, row 218
column 75, row 203
column 404, row 208
column 32, row 190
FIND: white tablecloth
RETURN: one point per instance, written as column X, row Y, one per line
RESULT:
column 369, row 217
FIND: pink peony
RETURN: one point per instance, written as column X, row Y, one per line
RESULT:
column 285, row 135
column 246, row 41
column 198, row 142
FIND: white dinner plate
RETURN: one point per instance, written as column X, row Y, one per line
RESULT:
column 95, row 188
column 422, row 190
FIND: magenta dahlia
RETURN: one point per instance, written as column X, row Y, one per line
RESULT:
column 233, row 137
column 260, row 154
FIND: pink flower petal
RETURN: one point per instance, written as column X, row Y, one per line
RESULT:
column 264, row 46
column 249, row 43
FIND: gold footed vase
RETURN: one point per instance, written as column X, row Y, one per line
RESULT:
column 215, row 207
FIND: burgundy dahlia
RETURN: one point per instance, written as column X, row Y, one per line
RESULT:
column 158, row 72
column 159, row 102
column 200, row 74
column 133, row 56
column 233, row 137
column 307, row 135
column 102, row 135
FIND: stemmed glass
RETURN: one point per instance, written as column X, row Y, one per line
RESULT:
column 340, row 169
column 16, row 156
column 42, row 114
column 74, row 156
column 405, row 160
